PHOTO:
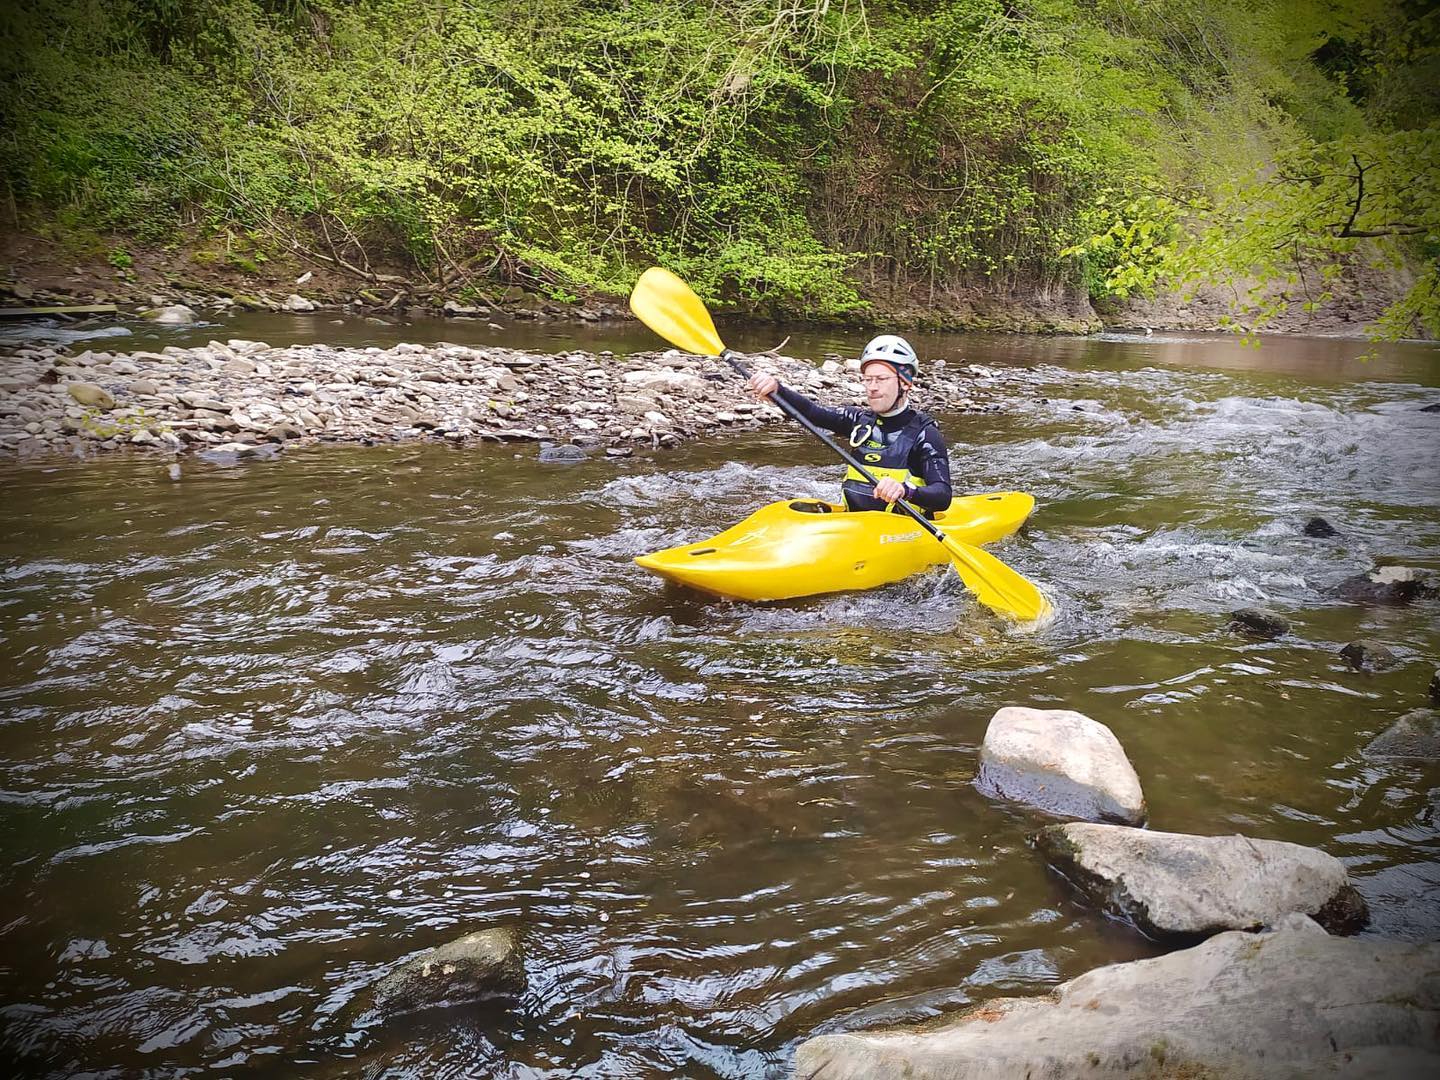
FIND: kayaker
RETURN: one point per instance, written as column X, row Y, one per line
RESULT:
column 900, row 445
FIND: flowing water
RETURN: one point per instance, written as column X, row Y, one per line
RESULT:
column 269, row 729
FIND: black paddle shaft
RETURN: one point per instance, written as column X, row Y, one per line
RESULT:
column 733, row 359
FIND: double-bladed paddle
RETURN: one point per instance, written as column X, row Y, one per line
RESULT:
column 664, row 303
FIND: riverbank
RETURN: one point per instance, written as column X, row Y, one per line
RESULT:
column 38, row 273
column 239, row 397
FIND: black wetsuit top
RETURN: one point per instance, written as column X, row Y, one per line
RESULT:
column 907, row 446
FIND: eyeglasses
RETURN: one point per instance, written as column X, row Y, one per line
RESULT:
column 877, row 380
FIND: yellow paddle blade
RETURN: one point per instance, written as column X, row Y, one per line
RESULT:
column 668, row 306
column 996, row 585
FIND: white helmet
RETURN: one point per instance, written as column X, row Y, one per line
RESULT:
column 895, row 351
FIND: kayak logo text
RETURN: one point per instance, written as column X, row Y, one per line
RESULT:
column 900, row 538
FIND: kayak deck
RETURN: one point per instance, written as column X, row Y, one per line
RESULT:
column 801, row 547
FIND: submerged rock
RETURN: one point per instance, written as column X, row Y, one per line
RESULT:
column 563, row 454
column 1365, row 655
column 1390, row 585
column 1172, row 885
column 1259, row 623
column 483, row 964
column 1414, row 735
column 1320, row 528
column 1060, row 761
column 226, row 453
column 1435, row 687
column 1292, row 1002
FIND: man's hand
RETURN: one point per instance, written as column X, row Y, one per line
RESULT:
column 889, row 490
column 762, row 385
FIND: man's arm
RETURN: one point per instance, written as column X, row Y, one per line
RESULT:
column 840, row 420
column 931, row 462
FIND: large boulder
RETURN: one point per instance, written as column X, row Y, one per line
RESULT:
column 1414, row 735
column 1170, row 885
column 1062, row 762
column 484, row 964
column 1390, row 585
column 1289, row 1003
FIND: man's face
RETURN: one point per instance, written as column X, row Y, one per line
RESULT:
column 882, row 386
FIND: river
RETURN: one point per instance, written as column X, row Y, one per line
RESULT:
column 268, row 729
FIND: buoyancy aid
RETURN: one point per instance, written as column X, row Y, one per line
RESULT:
column 884, row 453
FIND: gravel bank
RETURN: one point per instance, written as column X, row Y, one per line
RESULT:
column 245, row 397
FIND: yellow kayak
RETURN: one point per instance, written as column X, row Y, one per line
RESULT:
column 803, row 547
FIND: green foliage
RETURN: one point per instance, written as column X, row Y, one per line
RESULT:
column 786, row 158
column 1327, row 152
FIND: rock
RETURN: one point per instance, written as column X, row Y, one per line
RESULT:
column 1414, row 735
column 296, row 302
column 196, row 400
column 1319, row 527
column 1435, row 687
column 1434, row 406
column 144, row 387
column 172, row 315
column 1365, row 655
column 1259, row 623
column 618, row 451
column 565, row 453
column 303, row 278
column 225, row 453
column 282, row 431
column 1170, row 885
column 1060, row 761
column 85, row 393
column 1390, row 585
column 487, row 963
column 173, row 472
column 1289, row 1003
column 635, row 404
column 666, row 380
